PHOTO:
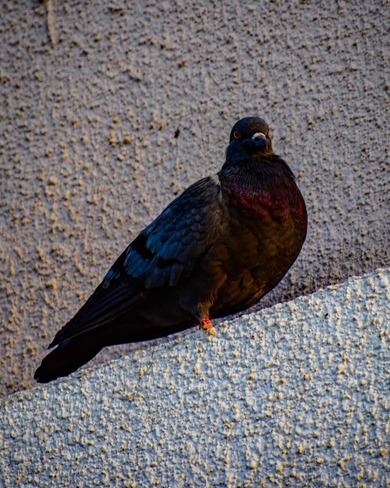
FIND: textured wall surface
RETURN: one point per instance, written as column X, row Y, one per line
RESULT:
column 295, row 395
column 109, row 109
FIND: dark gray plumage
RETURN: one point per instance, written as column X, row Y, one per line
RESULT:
column 215, row 250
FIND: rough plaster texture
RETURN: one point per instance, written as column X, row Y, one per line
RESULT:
column 109, row 109
column 295, row 395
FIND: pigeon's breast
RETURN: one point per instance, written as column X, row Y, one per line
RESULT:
column 263, row 236
column 260, row 203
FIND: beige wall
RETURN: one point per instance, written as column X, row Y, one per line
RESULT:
column 90, row 109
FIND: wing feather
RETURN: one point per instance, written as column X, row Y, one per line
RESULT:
column 167, row 250
column 162, row 255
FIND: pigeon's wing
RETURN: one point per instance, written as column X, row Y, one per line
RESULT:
column 103, row 307
column 164, row 253
column 168, row 249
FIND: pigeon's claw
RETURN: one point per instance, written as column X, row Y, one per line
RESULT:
column 205, row 323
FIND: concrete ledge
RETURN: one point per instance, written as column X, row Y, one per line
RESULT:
column 296, row 395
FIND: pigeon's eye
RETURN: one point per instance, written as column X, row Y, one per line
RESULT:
column 236, row 134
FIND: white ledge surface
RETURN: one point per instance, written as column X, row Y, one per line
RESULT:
column 296, row 395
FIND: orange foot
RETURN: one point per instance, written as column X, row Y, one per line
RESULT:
column 205, row 323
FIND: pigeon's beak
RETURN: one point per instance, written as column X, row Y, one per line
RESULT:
column 258, row 143
column 260, row 139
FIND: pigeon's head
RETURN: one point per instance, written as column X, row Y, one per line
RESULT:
column 250, row 137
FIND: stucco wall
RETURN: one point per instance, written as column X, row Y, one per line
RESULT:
column 109, row 109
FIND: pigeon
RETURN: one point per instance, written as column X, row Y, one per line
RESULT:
column 216, row 250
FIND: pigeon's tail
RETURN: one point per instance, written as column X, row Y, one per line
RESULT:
column 73, row 352
column 66, row 358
